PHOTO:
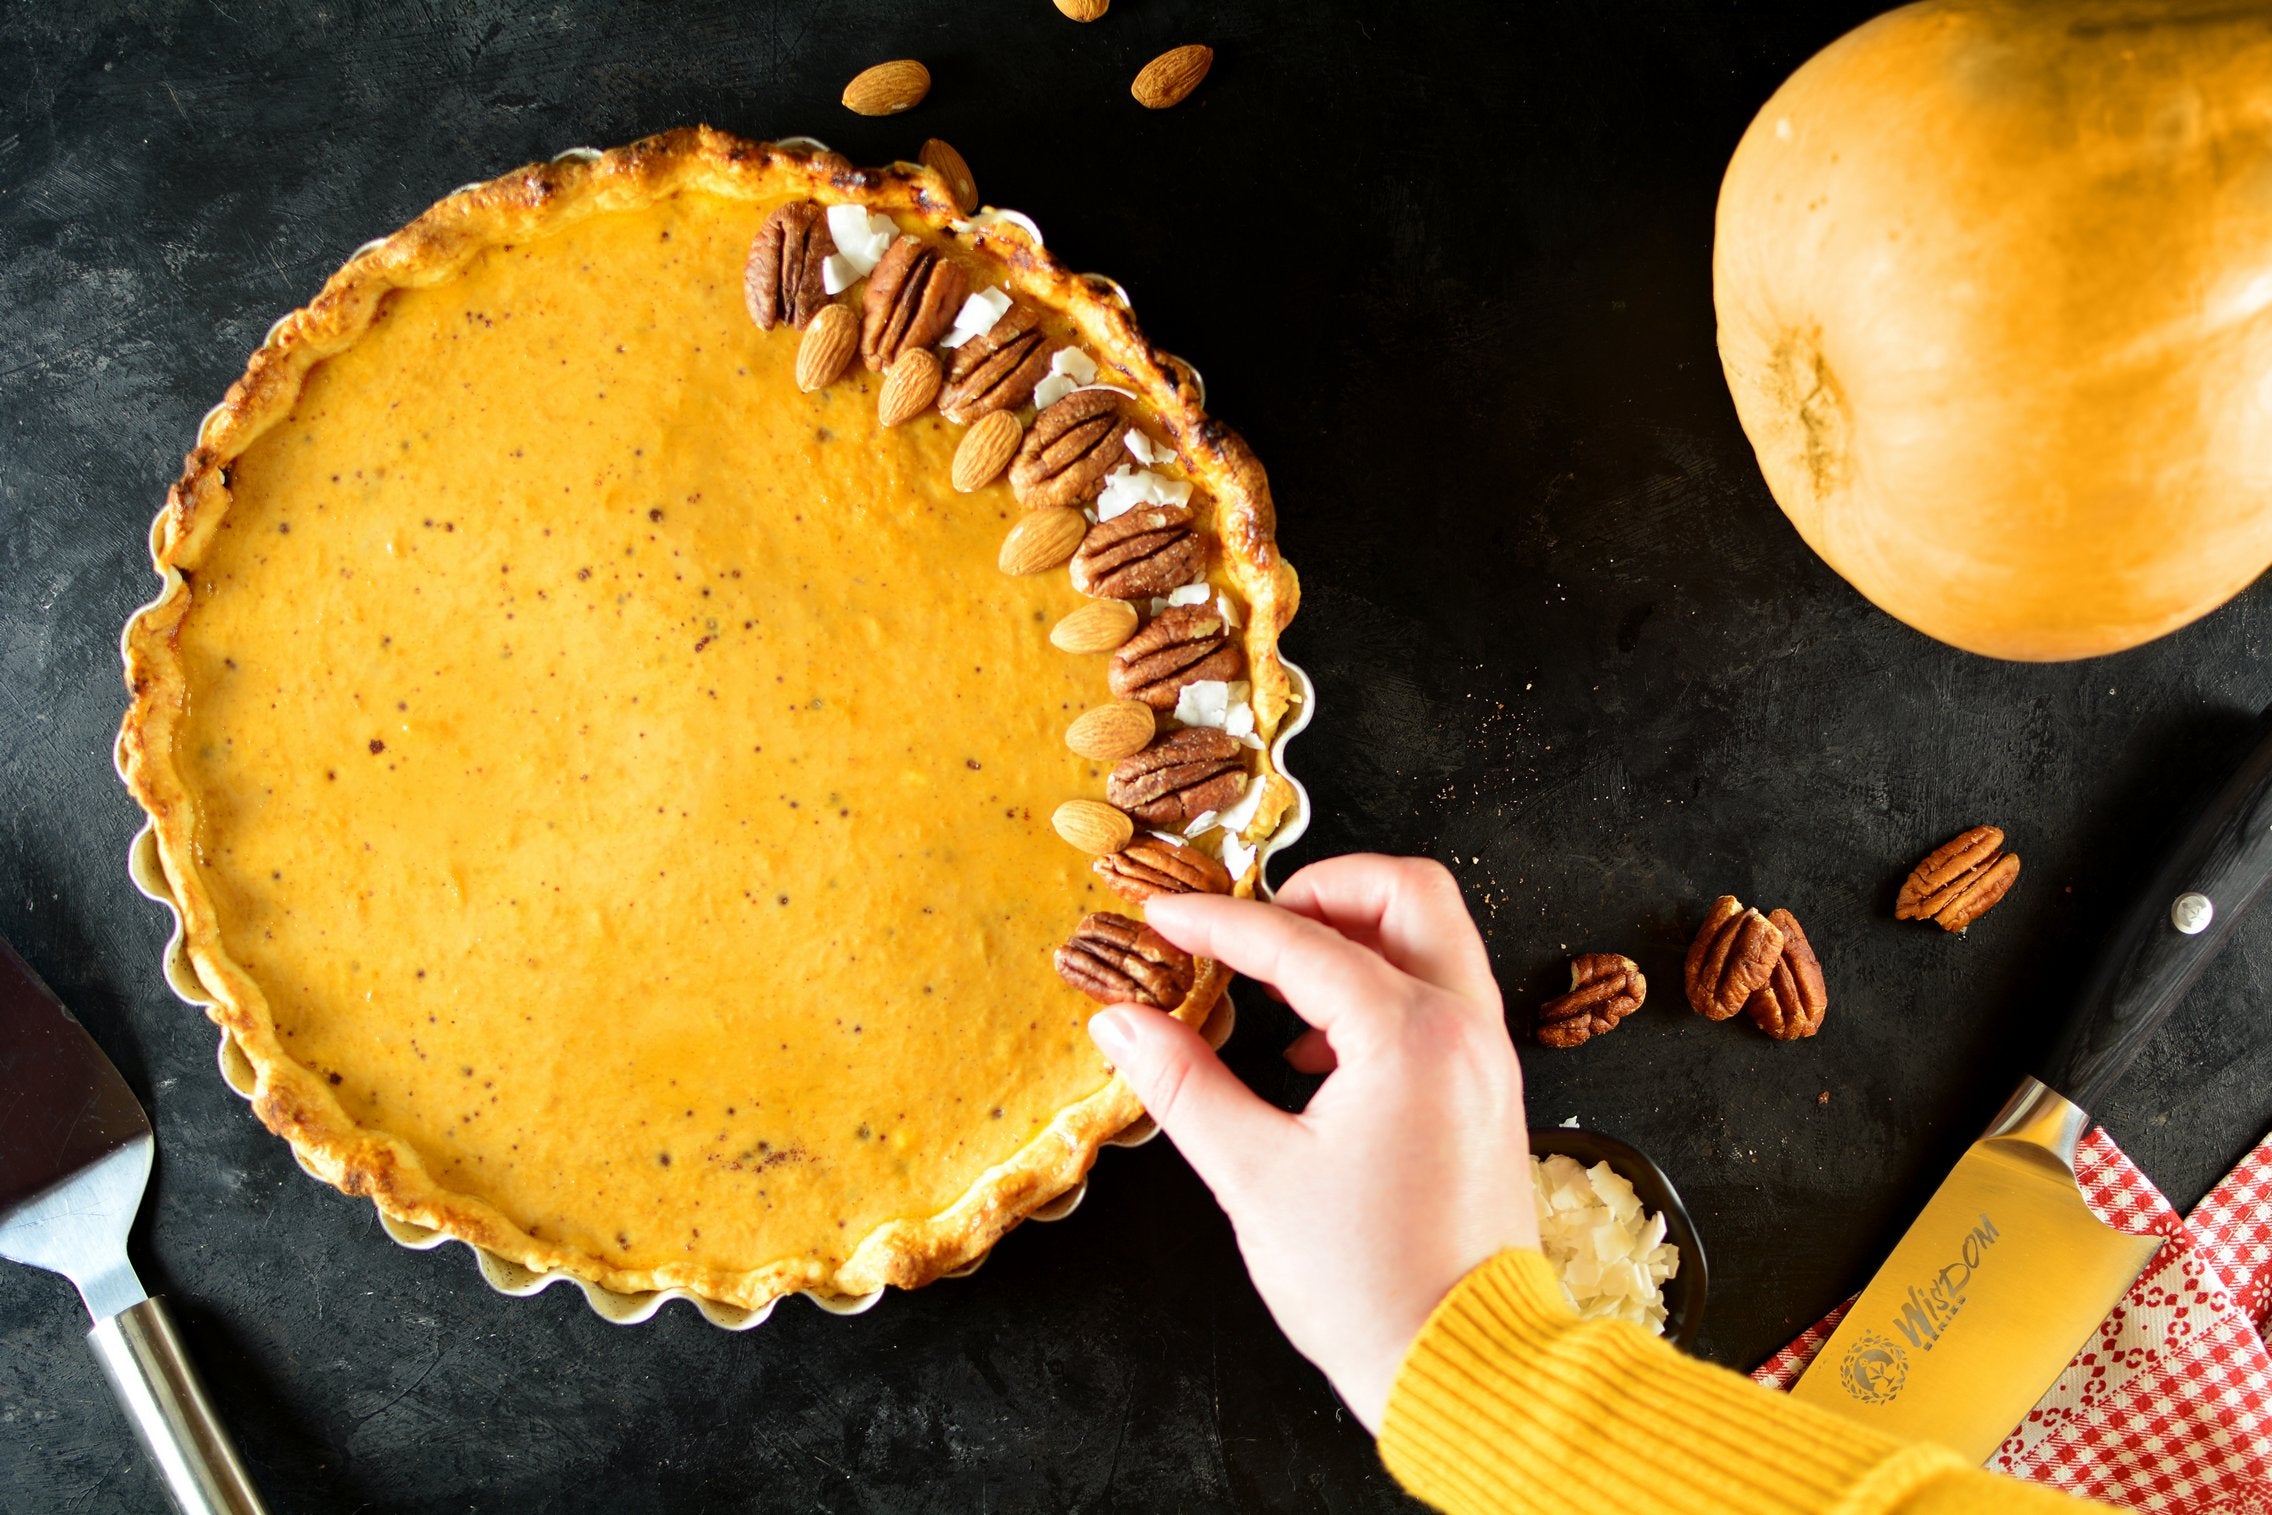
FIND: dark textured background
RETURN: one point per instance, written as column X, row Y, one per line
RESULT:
column 1448, row 269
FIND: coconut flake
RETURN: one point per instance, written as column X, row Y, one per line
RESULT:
column 1204, row 702
column 838, row 274
column 1069, row 369
column 1140, row 446
column 1609, row 1253
column 1229, row 611
column 1126, row 488
column 861, row 238
column 1201, row 826
column 977, row 316
column 1238, row 855
column 1190, row 594
column 1236, row 817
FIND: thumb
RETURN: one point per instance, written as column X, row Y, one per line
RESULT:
column 1215, row 1121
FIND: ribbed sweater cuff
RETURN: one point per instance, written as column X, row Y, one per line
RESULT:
column 1507, row 1401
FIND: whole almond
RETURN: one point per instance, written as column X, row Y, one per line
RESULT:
column 1099, row 626
column 910, row 385
column 941, row 158
column 889, row 88
column 1112, row 732
column 1172, row 76
column 827, row 347
column 1084, row 10
column 986, row 449
column 1093, row 826
column 1043, row 539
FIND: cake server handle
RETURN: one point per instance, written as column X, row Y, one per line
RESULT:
column 142, row 1356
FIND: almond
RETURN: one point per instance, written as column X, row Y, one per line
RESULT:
column 1093, row 826
column 1084, row 10
column 1099, row 626
column 941, row 158
column 910, row 385
column 889, row 88
column 827, row 348
column 1170, row 78
column 1043, row 539
column 1111, row 732
column 986, row 449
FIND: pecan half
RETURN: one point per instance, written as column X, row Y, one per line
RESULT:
column 1069, row 449
column 1184, row 644
column 1961, row 878
column 996, row 371
column 1731, row 957
column 782, row 280
column 1791, row 1003
column 1140, row 553
column 1180, row 777
column 1112, row 958
column 1604, row 989
column 1149, row 866
column 911, row 301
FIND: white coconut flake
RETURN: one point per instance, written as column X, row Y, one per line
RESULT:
column 1140, row 446
column 1069, row 369
column 1229, row 611
column 1201, row 826
column 1238, row 856
column 1609, row 1252
column 1239, row 721
column 1126, row 488
column 1204, row 702
column 838, row 274
column 977, row 316
column 861, row 239
column 1190, row 594
column 1238, row 816
column 1158, row 604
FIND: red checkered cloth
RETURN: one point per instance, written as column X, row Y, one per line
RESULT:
column 2170, row 1405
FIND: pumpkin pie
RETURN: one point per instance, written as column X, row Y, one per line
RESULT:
column 605, row 724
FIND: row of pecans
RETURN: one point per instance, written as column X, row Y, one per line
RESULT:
column 1763, row 966
column 1057, row 465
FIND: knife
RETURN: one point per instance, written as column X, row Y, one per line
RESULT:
column 75, row 1153
column 2007, row 1272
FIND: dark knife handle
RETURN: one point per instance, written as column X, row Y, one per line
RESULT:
column 2170, row 933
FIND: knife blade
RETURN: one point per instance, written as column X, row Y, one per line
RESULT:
column 75, row 1153
column 2006, row 1272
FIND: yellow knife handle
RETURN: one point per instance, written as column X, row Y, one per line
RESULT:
column 2175, row 927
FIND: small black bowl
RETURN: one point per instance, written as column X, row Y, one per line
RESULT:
column 1684, row 1291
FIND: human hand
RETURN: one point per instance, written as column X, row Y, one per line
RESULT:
column 1357, row 1215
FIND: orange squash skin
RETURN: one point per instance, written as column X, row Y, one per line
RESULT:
column 1994, row 287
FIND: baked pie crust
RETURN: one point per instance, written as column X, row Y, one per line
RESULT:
column 522, row 1099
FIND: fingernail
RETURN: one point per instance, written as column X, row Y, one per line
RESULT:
column 1113, row 1031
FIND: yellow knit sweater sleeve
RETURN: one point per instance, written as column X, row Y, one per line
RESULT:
column 1508, row 1402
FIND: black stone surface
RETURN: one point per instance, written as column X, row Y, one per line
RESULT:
column 1447, row 267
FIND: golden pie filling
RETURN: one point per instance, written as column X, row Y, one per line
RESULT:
column 627, row 779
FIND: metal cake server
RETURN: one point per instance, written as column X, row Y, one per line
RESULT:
column 2007, row 1272
column 75, row 1153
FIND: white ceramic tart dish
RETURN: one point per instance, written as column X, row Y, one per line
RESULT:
column 475, row 586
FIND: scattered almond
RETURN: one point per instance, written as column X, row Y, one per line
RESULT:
column 910, row 385
column 827, row 347
column 986, row 449
column 1099, row 626
column 1084, row 10
column 1093, row 826
column 1042, row 539
column 1111, row 732
column 941, row 158
column 889, row 88
column 1170, row 78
